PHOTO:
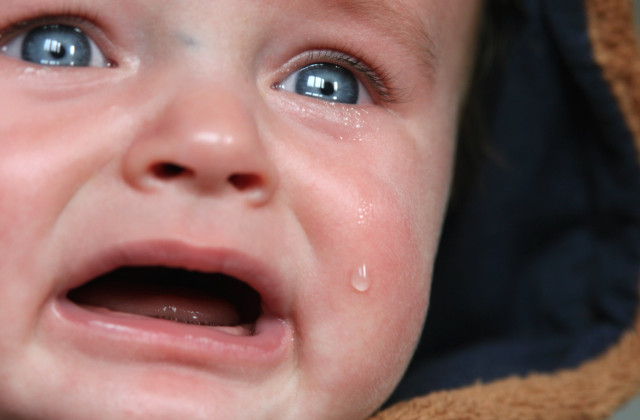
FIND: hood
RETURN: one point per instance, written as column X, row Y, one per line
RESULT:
column 534, row 305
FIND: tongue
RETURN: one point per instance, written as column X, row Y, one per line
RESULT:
column 177, row 295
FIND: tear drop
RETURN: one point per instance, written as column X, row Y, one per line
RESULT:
column 361, row 280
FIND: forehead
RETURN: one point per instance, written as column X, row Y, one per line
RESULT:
column 417, row 27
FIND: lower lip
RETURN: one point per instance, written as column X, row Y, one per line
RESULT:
column 154, row 340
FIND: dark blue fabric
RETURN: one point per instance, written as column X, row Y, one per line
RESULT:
column 538, row 266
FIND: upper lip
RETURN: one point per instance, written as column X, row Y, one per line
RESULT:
column 265, row 280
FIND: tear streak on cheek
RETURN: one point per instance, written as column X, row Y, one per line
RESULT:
column 327, row 119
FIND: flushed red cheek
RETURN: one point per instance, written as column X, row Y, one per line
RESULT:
column 398, row 239
column 375, row 264
column 385, row 311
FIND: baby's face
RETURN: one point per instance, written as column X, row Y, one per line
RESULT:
column 224, row 209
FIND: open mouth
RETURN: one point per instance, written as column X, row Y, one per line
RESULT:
column 209, row 300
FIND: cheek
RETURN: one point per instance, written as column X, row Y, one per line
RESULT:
column 47, row 153
column 372, row 205
column 51, row 147
column 371, row 210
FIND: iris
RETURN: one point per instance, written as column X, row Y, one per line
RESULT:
column 328, row 82
column 57, row 45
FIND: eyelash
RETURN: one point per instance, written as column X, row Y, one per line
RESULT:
column 71, row 16
column 79, row 18
column 379, row 80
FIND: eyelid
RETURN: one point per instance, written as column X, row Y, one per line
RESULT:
column 379, row 81
column 96, row 36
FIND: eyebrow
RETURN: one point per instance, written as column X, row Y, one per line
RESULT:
column 396, row 22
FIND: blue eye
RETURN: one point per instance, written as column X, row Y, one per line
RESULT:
column 55, row 45
column 324, row 81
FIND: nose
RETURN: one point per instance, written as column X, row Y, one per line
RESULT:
column 203, row 142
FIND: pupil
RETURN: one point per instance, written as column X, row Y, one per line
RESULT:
column 56, row 49
column 327, row 89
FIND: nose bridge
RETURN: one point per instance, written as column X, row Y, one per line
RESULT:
column 209, row 113
column 204, row 140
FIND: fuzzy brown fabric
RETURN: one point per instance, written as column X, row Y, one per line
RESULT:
column 592, row 391
column 615, row 46
column 597, row 388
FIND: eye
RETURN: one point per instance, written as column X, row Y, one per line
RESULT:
column 325, row 81
column 55, row 45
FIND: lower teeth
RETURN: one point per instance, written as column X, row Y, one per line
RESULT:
column 242, row 329
column 189, row 322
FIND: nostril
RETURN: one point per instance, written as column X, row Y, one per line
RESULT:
column 167, row 170
column 244, row 182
